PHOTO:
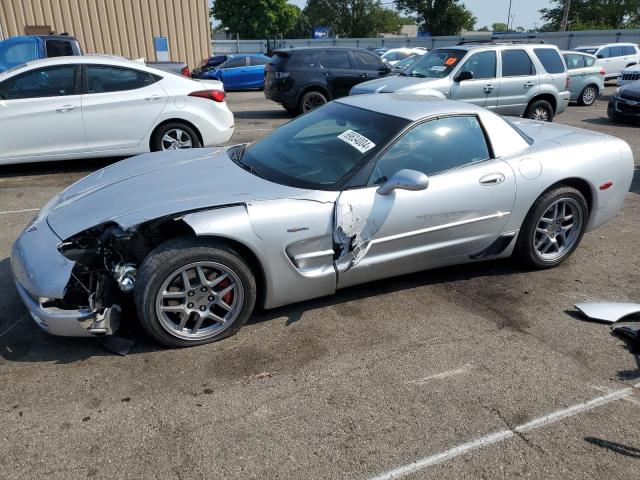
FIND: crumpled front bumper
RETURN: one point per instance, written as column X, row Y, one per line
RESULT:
column 41, row 273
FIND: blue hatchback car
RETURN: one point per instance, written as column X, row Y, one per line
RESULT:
column 240, row 72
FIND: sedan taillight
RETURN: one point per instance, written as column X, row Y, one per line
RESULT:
column 185, row 71
column 215, row 95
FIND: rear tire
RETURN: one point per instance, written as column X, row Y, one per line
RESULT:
column 311, row 100
column 220, row 292
column 588, row 96
column 174, row 136
column 553, row 228
column 540, row 110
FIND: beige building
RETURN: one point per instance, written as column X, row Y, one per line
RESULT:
column 119, row 27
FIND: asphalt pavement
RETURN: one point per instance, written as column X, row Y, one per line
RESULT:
column 477, row 371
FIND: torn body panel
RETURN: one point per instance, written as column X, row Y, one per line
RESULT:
column 609, row 312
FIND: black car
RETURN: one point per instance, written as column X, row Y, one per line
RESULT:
column 625, row 103
column 301, row 79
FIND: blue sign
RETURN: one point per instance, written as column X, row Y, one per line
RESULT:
column 321, row 32
column 161, row 44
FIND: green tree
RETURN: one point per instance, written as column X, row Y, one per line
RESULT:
column 593, row 14
column 484, row 29
column 353, row 18
column 499, row 27
column 439, row 17
column 252, row 19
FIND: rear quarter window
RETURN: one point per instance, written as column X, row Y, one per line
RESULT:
column 550, row 59
column 304, row 59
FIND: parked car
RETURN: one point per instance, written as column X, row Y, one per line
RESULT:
column 364, row 188
column 97, row 106
column 586, row 79
column 380, row 51
column 402, row 65
column 629, row 74
column 624, row 104
column 240, row 72
column 613, row 57
column 301, row 79
column 530, row 80
column 15, row 51
column 396, row 55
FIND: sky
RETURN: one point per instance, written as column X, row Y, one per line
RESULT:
column 491, row 11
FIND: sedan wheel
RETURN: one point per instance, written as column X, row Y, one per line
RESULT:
column 588, row 96
column 176, row 139
column 191, row 291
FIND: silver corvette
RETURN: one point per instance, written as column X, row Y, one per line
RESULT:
column 364, row 188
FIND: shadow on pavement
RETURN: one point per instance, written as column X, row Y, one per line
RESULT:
column 635, row 184
column 614, row 447
column 279, row 114
column 63, row 166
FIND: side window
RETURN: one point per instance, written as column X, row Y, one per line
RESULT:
column 588, row 61
column 18, row 53
column 616, row 51
column 516, row 63
column 58, row 48
column 47, row 82
column 390, row 57
column 234, row 63
column 366, row 61
column 433, row 147
column 483, row 65
column 629, row 50
column 116, row 79
column 256, row 61
column 575, row 61
column 605, row 52
column 335, row 59
column 303, row 59
column 550, row 59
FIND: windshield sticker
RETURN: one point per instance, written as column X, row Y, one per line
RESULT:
column 450, row 61
column 438, row 68
column 357, row 141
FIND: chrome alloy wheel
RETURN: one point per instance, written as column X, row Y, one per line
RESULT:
column 541, row 114
column 176, row 139
column 199, row 300
column 558, row 229
column 313, row 100
column 589, row 95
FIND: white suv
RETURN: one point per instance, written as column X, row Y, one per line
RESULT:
column 613, row 57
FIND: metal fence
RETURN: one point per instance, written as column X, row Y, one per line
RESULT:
column 564, row 40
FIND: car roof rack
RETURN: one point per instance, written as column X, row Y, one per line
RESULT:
column 497, row 41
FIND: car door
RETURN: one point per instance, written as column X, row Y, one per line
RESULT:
column 461, row 212
column 255, row 72
column 233, row 73
column 336, row 67
column 480, row 89
column 368, row 66
column 518, row 82
column 577, row 73
column 617, row 60
column 119, row 106
column 40, row 114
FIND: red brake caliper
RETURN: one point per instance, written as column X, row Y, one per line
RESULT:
column 228, row 297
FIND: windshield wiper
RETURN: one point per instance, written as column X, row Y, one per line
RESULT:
column 236, row 157
column 419, row 75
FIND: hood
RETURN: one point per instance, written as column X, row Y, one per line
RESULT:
column 630, row 91
column 401, row 84
column 153, row 185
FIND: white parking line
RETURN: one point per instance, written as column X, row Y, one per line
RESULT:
column 501, row 435
column 20, row 211
column 16, row 322
column 437, row 376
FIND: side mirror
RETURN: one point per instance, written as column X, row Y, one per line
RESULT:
column 405, row 179
column 462, row 76
column 600, row 55
column 384, row 69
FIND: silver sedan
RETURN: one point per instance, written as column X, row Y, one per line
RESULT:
column 364, row 188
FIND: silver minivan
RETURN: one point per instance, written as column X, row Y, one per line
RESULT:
column 517, row 79
column 586, row 78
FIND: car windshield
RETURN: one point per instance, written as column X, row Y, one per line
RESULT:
column 587, row 50
column 435, row 64
column 322, row 149
column 407, row 61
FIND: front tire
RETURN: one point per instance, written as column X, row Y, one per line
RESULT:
column 190, row 292
column 540, row 110
column 588, row 96
column 174, row 136
column 553, row 228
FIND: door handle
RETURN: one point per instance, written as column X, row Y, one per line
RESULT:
column 66, row 108
column 528, row 85
column 153, row 98
column 492, row 179
column 488, row 88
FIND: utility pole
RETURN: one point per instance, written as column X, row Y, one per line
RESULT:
column 565, row 16
column 509, row 15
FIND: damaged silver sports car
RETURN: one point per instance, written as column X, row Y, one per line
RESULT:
column 364, row 188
